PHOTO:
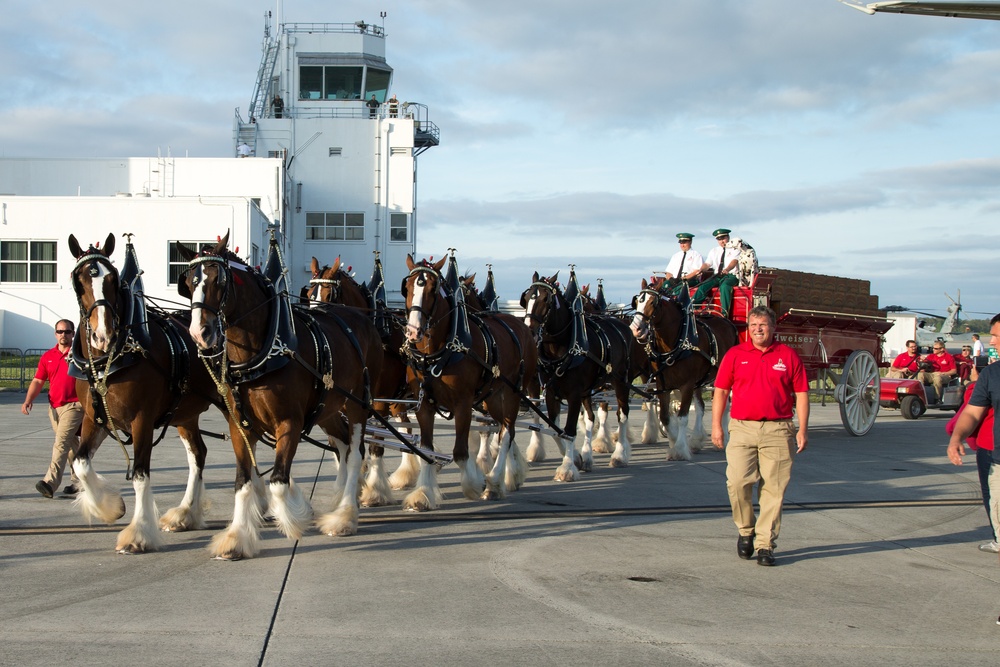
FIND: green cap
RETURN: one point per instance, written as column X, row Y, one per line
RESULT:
column 684, row 236
column 720, row 232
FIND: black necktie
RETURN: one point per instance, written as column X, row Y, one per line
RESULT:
column 680, row 271
column 722, row 258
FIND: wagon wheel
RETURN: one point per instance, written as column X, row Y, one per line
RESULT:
column 858, row 392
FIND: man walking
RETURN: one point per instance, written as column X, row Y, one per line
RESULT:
column 767, row 380
column 65, row 411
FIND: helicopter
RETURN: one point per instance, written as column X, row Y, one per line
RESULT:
column 924, row 332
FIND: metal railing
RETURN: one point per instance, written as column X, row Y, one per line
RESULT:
column 17, row 367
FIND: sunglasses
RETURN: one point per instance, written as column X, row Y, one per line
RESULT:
column 64, row 331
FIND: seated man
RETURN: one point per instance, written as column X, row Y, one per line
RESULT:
column 963, row 363
column 941, row 369
column 723, row 261
column 685, row 265
column 905, row 366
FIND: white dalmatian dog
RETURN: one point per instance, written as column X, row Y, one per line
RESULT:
column 746, row 266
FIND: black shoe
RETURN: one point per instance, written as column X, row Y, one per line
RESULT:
column 765, row 557
column 744, row 546
column 70, row 490
column 43, row 488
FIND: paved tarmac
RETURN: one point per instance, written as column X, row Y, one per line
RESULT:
column 877, row 565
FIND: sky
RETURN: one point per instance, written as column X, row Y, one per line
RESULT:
column 590, row 133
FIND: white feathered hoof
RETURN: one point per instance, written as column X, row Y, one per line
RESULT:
column 493, row 492
column 567, row 472
column 617, row 462
column 536, row 449
column 231, row 545
column 180, row 519
column 405, row 476
column 342, row 522
column 675, row 455
column 134, row 540
column 586, row 463
column 100, row 502
column 419, row 501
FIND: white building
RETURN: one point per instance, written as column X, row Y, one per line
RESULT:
column 329, row 174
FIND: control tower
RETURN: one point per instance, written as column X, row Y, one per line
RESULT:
column 323, row 102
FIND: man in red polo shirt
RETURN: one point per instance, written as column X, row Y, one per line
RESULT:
column 768, row 382
column 906, row 365
column 65, row 411
column 942, row 369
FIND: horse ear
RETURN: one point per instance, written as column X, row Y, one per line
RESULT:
column 336, row 266
column 554, row 278
column 409, row 262
column 222, row 244
column 74, row 247
column 534, row 278
column 109, row 245
column 440, row 263
column 314, row 267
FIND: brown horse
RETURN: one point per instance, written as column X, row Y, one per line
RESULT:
column 279, row 362
column 143, row 373
column 578, row 354
column 332, row 284
column 684, row 352
column 458, row 361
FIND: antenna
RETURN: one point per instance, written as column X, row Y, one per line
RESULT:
column 383, row 15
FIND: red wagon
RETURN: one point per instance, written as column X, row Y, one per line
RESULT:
column 836, row 328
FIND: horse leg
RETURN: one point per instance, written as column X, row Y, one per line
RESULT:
column 343, row 520
column 516, row 471
column 471, row 477
column 536, row 446
column 190, row 514
column 650, row 431
column 142, row 534
column 290, row 508
column 601, row 442
column 623, row 448
column 698, row 434
column 97, row 499
column 495, row 482
column 681, row 450
column 376, row 490
column 341, row 448
column 427, row 493
column 568, row 471
column 241, row 538
column 484, row 459
column 405, row 475
column 586, row 462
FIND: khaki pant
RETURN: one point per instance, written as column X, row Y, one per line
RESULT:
column 939, row 380
column 759, row 452
column 899, row 373
column 66, row 421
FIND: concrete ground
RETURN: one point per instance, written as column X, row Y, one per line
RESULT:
column 877, row 565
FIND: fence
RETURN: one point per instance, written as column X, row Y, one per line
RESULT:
column 18, row 367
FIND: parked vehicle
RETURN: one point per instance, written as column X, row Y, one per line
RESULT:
column 913, row 398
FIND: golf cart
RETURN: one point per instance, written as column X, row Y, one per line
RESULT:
column 913, row 398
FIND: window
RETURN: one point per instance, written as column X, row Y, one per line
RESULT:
column 176, row 264
column 310, row 82
column 28, row 261
column 399, row 227
column 377, row 84
column 335, row 226
column 342, row 83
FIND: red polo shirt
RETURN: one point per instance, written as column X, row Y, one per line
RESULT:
column 907, row 361
column 942, row 363
column 764, row 384
column 54, row 368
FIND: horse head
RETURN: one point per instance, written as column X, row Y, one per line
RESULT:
column 473, row 299
column 324, row 286
column 541, row 302
column 208, row 282
column 424, row 292
column 98, row 292
column 646, row 305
